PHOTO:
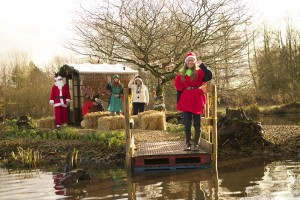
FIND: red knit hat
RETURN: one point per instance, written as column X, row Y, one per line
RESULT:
column 190, row 55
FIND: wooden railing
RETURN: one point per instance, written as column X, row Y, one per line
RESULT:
column 209, row 123
column 129, row 136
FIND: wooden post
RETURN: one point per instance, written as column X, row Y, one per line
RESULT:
column 207, row 128
column 131, row 187
column 214, row 127
column 127, row 130
column 214, row 117
column 215, row 177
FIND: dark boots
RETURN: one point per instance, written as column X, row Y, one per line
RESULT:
column 187, row 120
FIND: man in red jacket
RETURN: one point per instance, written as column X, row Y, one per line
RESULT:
column 191, row 98
column 60, row 99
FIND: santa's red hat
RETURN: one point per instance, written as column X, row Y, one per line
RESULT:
column 190, row 55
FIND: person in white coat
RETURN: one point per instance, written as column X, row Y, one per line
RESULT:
column 140, row 94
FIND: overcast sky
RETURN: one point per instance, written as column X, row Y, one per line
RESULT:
column 40, row 27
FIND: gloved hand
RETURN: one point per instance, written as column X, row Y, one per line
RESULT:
column 116, row 95
column 51, row 102
column 207, row 72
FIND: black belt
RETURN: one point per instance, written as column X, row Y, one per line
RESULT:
column 191, row 88
column 59, row 97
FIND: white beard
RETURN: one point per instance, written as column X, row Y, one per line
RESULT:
column 60, row 84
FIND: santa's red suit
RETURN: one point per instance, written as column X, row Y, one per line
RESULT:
column 60, row 99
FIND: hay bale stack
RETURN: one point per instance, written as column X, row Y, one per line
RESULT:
column 111, row 123
column 48, row 122
column 91, row 119
column 154, row 121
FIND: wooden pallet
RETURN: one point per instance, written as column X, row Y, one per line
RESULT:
column 169, row 156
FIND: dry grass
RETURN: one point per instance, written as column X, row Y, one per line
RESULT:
column 279, row 134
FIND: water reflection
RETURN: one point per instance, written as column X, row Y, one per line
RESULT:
column 196, row 184
column 237, row 175
column 281, row 180
column 237, row 179
column 26, row 185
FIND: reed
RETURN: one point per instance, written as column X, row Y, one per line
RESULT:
column 26, row 157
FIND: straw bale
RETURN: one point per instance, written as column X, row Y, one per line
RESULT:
column 111, row 123
column 140, row 115
column 48, row 122
column 154, row 121
column 91, row 119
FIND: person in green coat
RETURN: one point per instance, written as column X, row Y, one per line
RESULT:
column 116, row 89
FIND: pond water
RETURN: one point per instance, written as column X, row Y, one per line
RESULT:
column 236, row 179
column 245, row 179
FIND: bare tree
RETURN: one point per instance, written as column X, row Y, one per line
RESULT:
column 56, row 62
column 250, row 35
column 155, row 35
column 4, row 76
column 24, row 87
column 277, row 59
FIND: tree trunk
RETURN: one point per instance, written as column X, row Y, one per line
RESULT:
column 159, row 100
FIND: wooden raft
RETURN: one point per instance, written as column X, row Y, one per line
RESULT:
column 170, row 155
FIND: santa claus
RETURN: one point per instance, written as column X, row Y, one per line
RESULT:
column 60, row 99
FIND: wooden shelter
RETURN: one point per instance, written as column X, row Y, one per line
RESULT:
column 88, row 81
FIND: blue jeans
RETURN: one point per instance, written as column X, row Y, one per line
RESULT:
column 187, row 121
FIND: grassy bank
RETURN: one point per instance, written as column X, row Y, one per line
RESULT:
column 255, row 110
column 98, row 147
column 291, row 108
column 110, row 138
column 93, row 145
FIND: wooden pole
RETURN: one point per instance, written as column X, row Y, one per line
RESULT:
column 214, row 117
column 131, row 187
column 127, row 129
column 129, row 147
column 214, row 127
column 207, row 128
column 215, row 177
